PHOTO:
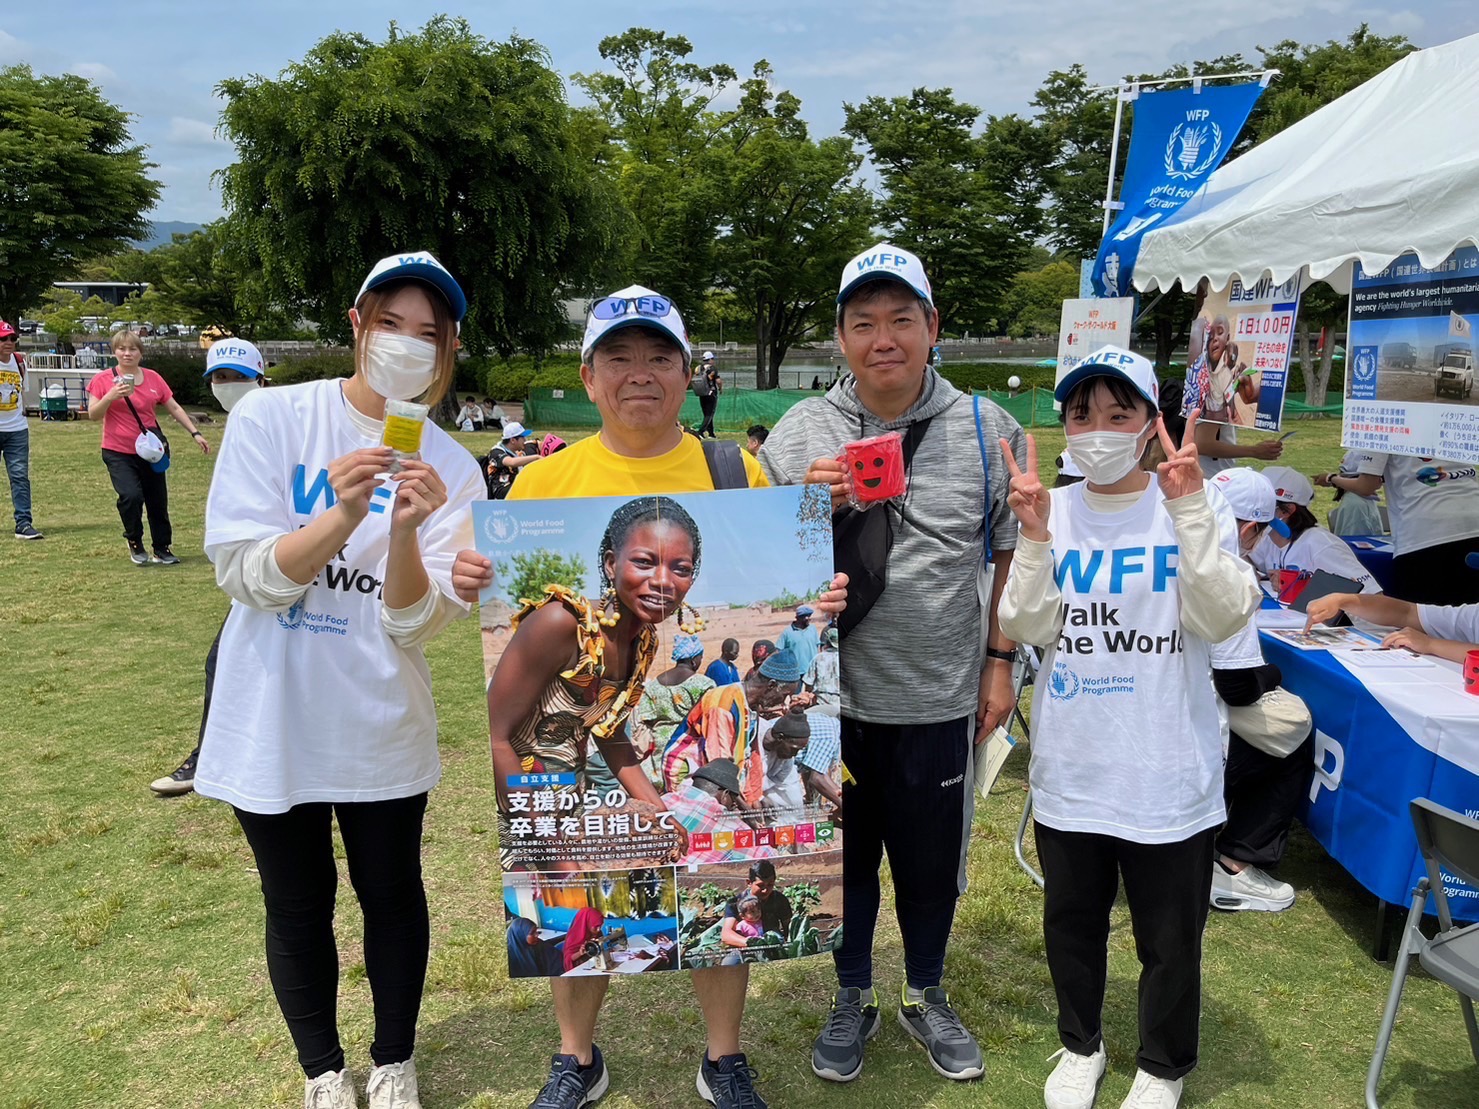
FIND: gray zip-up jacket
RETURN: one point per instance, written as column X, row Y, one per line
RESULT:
column 915, row 658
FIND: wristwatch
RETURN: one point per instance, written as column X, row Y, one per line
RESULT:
column 1005, row 656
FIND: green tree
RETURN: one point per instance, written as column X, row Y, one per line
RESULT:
column 795, row 213
column 1035, row 301
column 945, row 199
column 526, row 574
column 1312, row 76
column 72, row 184
column 440, row 140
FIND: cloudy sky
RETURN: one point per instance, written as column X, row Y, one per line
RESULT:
column 161, row 60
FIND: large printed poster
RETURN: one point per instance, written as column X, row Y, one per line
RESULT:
column 1410, row 359
column 1087, row 325
column 1237, row 365
column 656, row 811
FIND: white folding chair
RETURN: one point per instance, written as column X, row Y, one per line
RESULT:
column 1024, row 674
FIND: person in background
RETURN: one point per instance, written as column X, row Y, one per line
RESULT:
column 1433, row 505
column 234, row 368
column 723, row 671
column 755, row 438
column 1444, row 631
column 665, row 701
column 816, row 383
column 1353, row 513
column 1260, row 788
column 708, row 385
column 125, row 399
column 781, row 741
column 15, row 433
column 823, row 678
column 1296, row 541
column 493, row 415
column 801, row 638
column 760, row 650
column 506, row 459
column 470, row 415
column 709, row 801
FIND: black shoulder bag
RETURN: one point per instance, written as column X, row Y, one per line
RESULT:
column 726, row 464
column 861, row 542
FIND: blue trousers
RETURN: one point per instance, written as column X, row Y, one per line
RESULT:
column 15, row 448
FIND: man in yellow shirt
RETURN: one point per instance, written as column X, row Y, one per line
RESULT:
column 636, row 365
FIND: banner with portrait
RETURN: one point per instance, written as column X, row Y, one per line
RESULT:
column 1410, row 359
column 1237, row 361
column 664, row 723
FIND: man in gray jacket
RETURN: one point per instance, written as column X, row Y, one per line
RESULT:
column 915, row 691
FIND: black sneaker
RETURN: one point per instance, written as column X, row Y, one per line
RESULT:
column 26, row 531
column 570, row 1085
column 729, row 1083
column 181, row 780
column 137, row 554
column 953, row 1050
column 837, row 1054
column 165, row 558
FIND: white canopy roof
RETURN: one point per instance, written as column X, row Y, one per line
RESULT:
column 1391, row 167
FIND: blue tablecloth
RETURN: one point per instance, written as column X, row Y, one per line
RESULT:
column 1375, row 553
column 1368, row 767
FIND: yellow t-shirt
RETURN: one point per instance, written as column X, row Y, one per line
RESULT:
column 589, row 469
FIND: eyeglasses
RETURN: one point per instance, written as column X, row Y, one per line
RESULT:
column 613, row 308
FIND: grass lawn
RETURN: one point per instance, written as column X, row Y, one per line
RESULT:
column 131, row 966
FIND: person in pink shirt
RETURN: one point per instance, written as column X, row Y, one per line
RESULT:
column 125, row 399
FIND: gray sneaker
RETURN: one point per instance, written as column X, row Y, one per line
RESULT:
column 953, row 1051
column 837, row 1054
column 137, row 554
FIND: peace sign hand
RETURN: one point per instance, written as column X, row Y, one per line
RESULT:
column 1027, row 497
column 1180, row 474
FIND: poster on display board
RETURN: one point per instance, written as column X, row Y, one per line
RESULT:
column 1088, row 324
column 1409, row 386
column 1237, row 362
column 654, row 815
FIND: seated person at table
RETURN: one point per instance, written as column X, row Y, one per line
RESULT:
column 1444, row 631
column 1354, row 513
column 529, row 956
column 1261, row 789
column 1306, row 546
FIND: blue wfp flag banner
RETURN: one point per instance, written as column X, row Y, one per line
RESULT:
column 1180, row 136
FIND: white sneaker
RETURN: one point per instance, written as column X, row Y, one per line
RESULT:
column 1074, row 1083
column 393, row 1086
column 334, row 1090
column 1249, row 889
column 1150, row 1092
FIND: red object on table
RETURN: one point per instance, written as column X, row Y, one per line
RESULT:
column 1291, row 584
column 1471, row 672
column 876, row 466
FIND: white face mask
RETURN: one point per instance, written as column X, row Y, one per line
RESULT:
column 1106, row 456
column 399, row 367
column 228, row 393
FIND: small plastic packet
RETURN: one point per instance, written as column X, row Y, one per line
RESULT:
column 876, row 469
column 404, row 423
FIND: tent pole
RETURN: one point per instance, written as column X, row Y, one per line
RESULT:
column 1114, row 151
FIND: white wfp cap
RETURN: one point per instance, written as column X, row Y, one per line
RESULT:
column 890, row 263
column 420, row 266
column 1113, row 361
column 514, row 430
column 1290, row 485
column 234, row 354
column 1248, row 493
column 634, row 306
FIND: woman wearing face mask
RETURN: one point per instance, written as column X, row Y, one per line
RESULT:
column 1125, row 579
column 322, row 707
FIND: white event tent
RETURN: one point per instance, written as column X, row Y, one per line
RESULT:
column 1391, row 167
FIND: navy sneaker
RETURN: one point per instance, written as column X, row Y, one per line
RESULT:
column 165, row 557
column 570, row 1085
column 729, row 1083
column 26, row 531
column 953, row 1051
column 837, row 1054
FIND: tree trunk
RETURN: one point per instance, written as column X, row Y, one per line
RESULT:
column 762, row 336
column 1306, row 364
column 1322, row 382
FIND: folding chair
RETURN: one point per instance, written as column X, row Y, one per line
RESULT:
column 1448, row 842
column 1024, row 674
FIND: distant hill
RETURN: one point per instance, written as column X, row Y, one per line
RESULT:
column 160, row 232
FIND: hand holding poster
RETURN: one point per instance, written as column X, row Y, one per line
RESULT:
column 1237, row 361
column 643, row 804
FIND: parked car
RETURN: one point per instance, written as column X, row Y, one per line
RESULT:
column 29, row 327
column 1455, row 375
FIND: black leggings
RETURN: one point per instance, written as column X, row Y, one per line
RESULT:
column 295, row 858
column 911, row 794
column 140, row 489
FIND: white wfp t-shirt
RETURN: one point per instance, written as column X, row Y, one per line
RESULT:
column 318, row 703
column 1314, row 549
column 1126, row 737
column 12, row 411
column 1456, row 622
column 1426, row 513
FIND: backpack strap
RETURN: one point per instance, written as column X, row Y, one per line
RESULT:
column 726, row 464
column 986, row 475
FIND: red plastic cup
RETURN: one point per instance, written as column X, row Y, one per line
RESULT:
column 876, row 466
column 1471, row 673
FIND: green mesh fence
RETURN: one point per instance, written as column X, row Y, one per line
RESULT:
column 741, row 408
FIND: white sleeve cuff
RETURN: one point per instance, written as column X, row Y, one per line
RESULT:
column 247, row 571
column 423, row 621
